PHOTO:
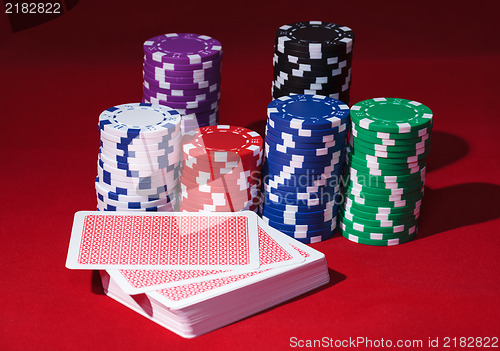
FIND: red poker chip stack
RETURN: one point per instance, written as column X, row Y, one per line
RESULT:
column 221, row 170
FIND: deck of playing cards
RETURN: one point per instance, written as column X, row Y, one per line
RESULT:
column 193, row 272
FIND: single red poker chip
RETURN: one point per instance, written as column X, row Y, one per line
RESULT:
column 224, row 143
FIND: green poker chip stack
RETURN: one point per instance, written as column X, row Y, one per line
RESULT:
column 385, row 171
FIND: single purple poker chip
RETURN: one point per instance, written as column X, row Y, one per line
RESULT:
column 180, row 86
column 184, row 104
column 155, row 87
column 182, row 48
column 205, row 116
column 179, row 80
column 216, row 62
column 194, row 73
column 185, row 95
column 176, row 98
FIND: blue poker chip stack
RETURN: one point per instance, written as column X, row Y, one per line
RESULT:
column 139, row 158
column 304, row 159
column 183, row 71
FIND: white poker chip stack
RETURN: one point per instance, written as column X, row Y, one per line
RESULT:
column 139, row 158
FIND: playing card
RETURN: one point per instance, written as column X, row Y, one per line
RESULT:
column 274, row 251
column 167, row 240
column 185, row 295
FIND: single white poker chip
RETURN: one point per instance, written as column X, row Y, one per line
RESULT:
column 132, row 120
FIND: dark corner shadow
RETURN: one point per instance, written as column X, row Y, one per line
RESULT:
column 446, row 148
column 258, row 126
column 96, row 284
column 457, row 206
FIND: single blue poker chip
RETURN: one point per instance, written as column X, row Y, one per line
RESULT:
column 301, row 180
column 314, row 140
column 308, row 111
column 285, row 218
column 338, row 143
column 307, row 228
column 283, row 203
column 299, row 233
column 310, row 162
column 322, row 196
column 298, row 214
column 272, row 208
column 316, row 239
column 328, row 187
column 336, row 167
column 305, row 132
column 302, row 158
column 283, row 149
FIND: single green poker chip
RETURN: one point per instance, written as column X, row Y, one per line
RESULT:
column 404, row 210
column 381, row 157
column 360, row 167
column 407, row 178
column 387, row 137
column 382, row 166
column 389, row 148
column 377, row 182
column 384, row 203
column 374, row 240
column 419, row 154
column 371, row 137
column 367, row 226
column 384, row 197
column 391, row 115
column 382, row 216
column 379, row 191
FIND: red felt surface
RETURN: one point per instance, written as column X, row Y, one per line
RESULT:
column 58, row 77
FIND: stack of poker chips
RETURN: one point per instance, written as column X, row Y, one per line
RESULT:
column 183, row 71
column 221, row 170
column 389, row 144
column 313, row 58
column 139, row 158
column 304, row 158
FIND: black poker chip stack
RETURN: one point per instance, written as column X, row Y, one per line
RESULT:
column 313, row 57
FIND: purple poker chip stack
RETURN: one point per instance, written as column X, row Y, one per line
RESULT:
column 183, row 71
